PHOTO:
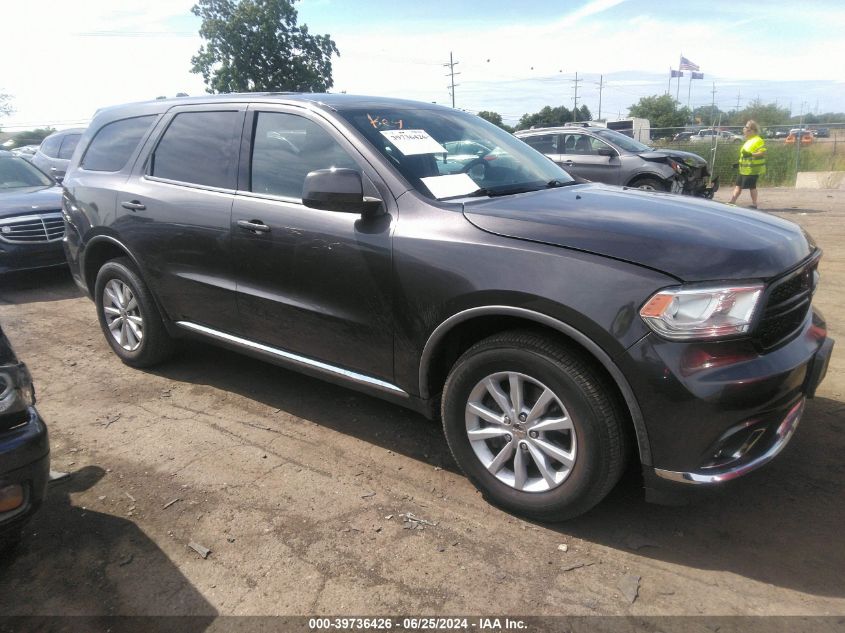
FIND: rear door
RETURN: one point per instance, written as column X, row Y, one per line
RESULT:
column 175, row 212
column 310, row 282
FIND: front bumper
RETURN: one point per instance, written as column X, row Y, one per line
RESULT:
column 25, row 461
column 717, row 411
column 15, row 257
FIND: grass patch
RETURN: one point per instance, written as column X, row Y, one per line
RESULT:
column 782, row 161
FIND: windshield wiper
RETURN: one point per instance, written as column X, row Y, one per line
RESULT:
column 559, row 183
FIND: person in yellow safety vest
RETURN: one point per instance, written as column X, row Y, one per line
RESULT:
column 752, row 163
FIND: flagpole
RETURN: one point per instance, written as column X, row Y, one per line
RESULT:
column 678, row 89
column 669, row 87
column 689, row 90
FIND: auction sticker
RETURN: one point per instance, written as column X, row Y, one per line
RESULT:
column 411, row 142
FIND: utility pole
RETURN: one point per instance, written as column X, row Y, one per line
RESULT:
column 452, row 74
column 601, row 85
column 713, row 107
column 576, row 81
column 738, row 94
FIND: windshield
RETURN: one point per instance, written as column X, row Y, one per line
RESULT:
column 617, row 138
column 16, row 173
column 450, row 154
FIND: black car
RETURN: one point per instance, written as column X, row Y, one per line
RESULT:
column 24, row 448
column 31, row 225
column 559, row 329
column 598, row 154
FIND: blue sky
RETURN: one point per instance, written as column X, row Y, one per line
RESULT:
column 514, row 57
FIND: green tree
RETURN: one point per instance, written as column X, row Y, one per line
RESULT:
column 547, row 117
column 495, row 118
column 32, row 137
column 709, row 115
column 765, row 114
column 584, row 114
column 5, row 104
column 257, row 45
column 663, row 114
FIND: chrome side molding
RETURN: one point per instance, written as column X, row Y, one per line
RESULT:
column 294, row 359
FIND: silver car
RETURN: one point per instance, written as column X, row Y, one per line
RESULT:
column 55, row 151
column 601, row 155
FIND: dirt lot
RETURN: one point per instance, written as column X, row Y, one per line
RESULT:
column 299, row 489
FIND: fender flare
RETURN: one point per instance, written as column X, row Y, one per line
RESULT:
column 643, row 445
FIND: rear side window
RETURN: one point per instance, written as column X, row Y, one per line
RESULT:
column 199, row 148
column 114, row 143
column 285, row 148
column 545, row 143
column 69, row 143
column 50, row 146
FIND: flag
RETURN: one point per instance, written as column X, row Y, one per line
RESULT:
column 696, row 75
column 687, row 64
column 676, row 73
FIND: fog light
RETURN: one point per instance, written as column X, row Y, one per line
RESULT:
column 11, row 498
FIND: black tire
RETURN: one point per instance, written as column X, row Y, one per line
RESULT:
column 588, row 400
column 155, row 345
column 649, row 184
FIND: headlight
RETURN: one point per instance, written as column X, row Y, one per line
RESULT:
column 685, row 314
column 16, row 391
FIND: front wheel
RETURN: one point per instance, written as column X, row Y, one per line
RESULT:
column 129, row 317
column 534, row 426
column 649, row 184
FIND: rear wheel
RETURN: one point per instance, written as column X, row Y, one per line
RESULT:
column 129, row 317
column 534, row 426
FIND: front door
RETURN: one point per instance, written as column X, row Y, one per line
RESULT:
column 579, row 155
column 310, row 282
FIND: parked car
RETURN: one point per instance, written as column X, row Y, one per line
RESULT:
column 601, row 155
column 551, row 325
column 54, row 153
column 31, row 225
column 24, row 448
column 822, row 132
column 681, row 137
column 25, row 151
column 804, row 135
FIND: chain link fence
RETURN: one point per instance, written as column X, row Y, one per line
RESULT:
column 789, row 149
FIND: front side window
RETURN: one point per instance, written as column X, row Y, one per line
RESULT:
column 199, row 148
column 620, row 140
column 285, row 147
column 447, row 154
column 69, row 144
column 114, row 143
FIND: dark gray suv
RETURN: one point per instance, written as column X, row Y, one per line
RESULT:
column 425, row 256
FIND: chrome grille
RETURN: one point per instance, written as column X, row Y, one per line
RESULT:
column 33, row 229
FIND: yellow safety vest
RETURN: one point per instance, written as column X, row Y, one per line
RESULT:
column 749, row 165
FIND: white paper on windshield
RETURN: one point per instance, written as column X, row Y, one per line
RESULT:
column 411, row 142
column 450, row 185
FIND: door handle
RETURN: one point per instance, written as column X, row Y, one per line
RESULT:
column 133, row 205
column 256, row 226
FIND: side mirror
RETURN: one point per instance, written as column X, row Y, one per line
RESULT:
column 606, row 151
column 338, row 189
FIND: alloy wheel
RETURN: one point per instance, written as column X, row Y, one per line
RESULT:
column 123, row 315
column 521, row 432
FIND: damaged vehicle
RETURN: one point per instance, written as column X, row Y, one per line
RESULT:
column 24, row 448
column 558, row 329
column 600, row 155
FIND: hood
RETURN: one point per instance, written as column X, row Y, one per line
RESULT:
column 689, row 238
column 30, row 200
column 688, row 158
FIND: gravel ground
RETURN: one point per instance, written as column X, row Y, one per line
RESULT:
column 306, row 494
